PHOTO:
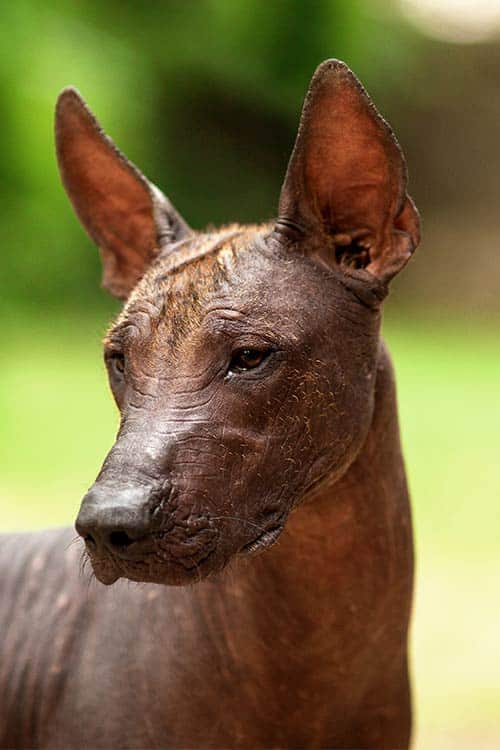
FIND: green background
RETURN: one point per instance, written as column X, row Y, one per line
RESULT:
column 205, row 97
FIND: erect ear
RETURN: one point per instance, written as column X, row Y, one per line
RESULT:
column 125, row 214
column 346, row 179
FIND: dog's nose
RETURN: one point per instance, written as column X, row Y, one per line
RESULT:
column 114, row 519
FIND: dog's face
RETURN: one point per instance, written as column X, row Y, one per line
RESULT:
column 243, row 362
column 242, row 379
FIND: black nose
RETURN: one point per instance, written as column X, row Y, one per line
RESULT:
column 114, row 519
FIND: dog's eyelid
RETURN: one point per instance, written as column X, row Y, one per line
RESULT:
column 114, row 352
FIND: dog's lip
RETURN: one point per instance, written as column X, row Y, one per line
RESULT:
column 264, row 540
column 108, row 576
column 110, row 567
column 105, row 569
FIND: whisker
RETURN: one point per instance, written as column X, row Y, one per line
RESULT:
column 241, row 520
column 198, row 574
column 86, row 570
column 72, row 542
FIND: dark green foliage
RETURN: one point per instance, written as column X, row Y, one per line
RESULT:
column 204, row 96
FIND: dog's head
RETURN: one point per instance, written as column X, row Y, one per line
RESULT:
column 243, row 362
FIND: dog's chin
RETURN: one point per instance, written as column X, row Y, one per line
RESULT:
column 165, row 572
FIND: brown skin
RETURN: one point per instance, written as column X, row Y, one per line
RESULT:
column 257, row 409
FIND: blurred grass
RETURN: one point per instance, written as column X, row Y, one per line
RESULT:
column 448, row 376
column 58, row 421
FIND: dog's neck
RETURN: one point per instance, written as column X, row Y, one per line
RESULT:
column 330, row 602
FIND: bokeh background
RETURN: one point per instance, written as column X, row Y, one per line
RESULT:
column 205, row 97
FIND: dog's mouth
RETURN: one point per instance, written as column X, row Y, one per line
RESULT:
column 155, row 568
column 158, row 558
column 149, row 560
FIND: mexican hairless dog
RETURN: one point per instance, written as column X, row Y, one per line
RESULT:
column 257, row 472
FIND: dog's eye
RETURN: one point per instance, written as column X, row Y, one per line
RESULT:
column 117, row 362
column 248, row 359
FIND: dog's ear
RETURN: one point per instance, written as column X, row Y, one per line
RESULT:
column 126, row 215
column 346, row 179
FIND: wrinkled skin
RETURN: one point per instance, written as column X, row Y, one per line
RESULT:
column 258, row 415
column 203, row 443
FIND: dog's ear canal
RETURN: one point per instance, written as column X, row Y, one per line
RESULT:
column 127, row 216
column 346, row 179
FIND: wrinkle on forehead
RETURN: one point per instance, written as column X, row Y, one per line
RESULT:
column 173, row 292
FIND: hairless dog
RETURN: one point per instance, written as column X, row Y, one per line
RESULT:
column 256, row 476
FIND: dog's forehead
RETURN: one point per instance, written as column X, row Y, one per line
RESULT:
column 223, row 243
column 186, row 275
